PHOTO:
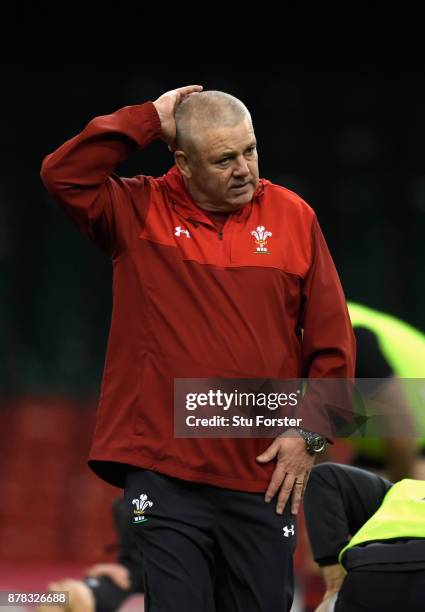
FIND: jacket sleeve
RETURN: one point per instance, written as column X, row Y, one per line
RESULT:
column 79, row 175
column 328, row 344
column 338, row 500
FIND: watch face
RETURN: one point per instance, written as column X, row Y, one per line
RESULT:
column 317, row 444
column 314, row 442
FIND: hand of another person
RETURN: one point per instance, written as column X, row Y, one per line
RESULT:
column 80, row 597
column 119, row 574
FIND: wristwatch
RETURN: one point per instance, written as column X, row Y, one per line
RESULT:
column 314, row 442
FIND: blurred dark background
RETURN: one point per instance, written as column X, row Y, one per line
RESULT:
column 349, row 142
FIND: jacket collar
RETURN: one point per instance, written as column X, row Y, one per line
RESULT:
column 183, row 203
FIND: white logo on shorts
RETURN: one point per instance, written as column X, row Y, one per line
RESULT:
column 286, row 531
column 141, row 504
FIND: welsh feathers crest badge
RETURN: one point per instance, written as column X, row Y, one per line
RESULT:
column 139, row 513
column 261, row 234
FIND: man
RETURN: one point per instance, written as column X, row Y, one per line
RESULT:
column 216, row 274
column 385, row 558
column 389, row 348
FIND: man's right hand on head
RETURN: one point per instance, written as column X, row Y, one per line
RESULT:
column 166, row 107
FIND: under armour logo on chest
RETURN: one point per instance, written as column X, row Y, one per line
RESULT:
column 179, row 230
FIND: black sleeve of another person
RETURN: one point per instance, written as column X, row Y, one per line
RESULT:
column 339, row 499
column 108, row 596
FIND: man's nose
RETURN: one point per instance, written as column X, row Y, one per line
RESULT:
column 241, row 168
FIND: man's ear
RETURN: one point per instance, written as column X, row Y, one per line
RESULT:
column 182, row 163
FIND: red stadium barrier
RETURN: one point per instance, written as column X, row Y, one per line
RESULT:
column 53, row 508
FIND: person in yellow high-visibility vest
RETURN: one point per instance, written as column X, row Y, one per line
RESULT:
column 382, row 566
column 388, row 348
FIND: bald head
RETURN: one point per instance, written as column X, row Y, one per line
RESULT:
column 205, row 111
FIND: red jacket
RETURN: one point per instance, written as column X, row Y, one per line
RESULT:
column 189, row 302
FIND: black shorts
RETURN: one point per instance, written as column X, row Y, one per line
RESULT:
column 208, row 549
column 382, row 591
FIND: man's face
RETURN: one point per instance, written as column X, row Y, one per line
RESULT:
column 224, row 167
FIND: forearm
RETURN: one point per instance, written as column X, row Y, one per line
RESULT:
column 333, row 577
column 328, row 344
